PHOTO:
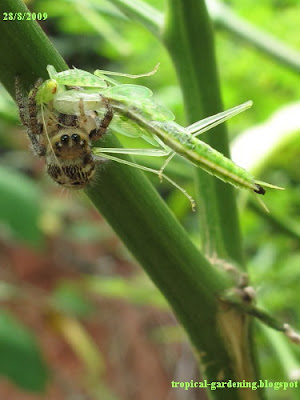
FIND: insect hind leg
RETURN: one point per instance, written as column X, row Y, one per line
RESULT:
column 147, row 169
column 165, row 164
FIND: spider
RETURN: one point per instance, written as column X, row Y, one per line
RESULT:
column 64, row 140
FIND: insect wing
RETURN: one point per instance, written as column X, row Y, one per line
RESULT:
column 151, row 139
column 138, row 99
column 205, row 124
column 157, row 112
column 78, row 77
column 129, row 92
column 124, row 126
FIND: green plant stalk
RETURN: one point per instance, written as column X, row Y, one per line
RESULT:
column 282, row 225
column 286, row 358
column 100, row 24
column 189, row 38
column 225, row 19
column 136, row 212
column 34, row 54
column 142, row 12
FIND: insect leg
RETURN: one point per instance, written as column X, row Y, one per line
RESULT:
column 165, row 164
column 135, row 152
column 153, row 171
column 100, row 73
column 105, row 121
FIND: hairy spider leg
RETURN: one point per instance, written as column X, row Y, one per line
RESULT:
column 28, row 115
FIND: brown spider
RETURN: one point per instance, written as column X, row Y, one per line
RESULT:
column 64, row 140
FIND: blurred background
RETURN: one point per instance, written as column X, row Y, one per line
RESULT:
column 79, row 319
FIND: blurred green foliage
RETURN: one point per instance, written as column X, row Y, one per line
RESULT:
column 21, row 360
column 19, row 193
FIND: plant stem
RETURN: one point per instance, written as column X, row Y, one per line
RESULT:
column 22, row 54
column 143, row 13
column 189, row 39
column 225, row 19
column 283, row 226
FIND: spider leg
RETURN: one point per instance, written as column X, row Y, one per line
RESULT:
column 98, row 159
column 104, row 122
column 28, row 116
column 35, row 127
column 22, row 102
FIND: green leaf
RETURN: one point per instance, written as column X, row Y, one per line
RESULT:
column 21, row 360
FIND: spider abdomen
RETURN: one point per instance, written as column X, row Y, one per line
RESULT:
column 73, row 174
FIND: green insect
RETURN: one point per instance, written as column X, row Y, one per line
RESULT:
column 75, row 102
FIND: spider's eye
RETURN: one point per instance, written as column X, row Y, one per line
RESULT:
column 75, row 137
column 65, row 138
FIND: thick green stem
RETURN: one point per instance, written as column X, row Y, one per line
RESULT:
column 21, row 53
column 189, row 38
